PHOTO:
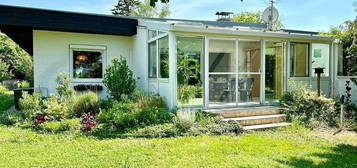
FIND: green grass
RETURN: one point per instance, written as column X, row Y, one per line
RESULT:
column 284, row 148
column 6, row 101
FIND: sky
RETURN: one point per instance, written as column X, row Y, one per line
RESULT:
column 313, row 15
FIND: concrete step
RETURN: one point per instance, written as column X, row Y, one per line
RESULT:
column 266, row 126
column 245, row 112
column 258, row 120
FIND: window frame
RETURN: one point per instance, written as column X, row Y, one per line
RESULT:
column 309, row 70
column 89, row 48
column 156, row 39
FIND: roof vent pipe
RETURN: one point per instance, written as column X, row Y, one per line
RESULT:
column 224, row 16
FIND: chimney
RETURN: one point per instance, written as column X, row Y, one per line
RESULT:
column 224, row 16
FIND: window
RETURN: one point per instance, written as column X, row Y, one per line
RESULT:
column 321, row 57
column 152, row 60
column 158, row 54
column 87, row 62
column 299, row 63
column 164, row 57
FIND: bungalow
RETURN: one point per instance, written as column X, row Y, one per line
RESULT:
column 195, row 63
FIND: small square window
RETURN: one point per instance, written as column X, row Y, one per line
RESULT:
column 87, row 64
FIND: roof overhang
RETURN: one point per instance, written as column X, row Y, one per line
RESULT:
column 250, row 32
column 18, row 23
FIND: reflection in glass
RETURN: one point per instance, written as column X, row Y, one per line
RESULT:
column 299, row 66
column 249, row 89
column 249, row 56
column 222, row 89
column 87, row 64
column 222, row 56
column 164, row 57
column 189, row 71
column 274, row 64
column 152, row 60
column 320, row 57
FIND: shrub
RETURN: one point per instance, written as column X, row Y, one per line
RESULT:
column 24, row 84
column 147, row 101
column 30, row 104
column 54, row 108
column 155, row 131
column 6, row 101
column 184, row 119
column 125, row 116
column 11, row 117
column 71, row 125
column 10, row 84
column 186, row 93
column 63, row 86
column 4, row 71
column 87, row 102
column 119, row 80
column 88, row 122
column 306, row 106
column 3, row 89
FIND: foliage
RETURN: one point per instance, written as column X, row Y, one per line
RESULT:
column 126, row 115
column 11, row 117
column 119, row 79
column 347, row 34
column 145, row 10
column 6, row 101
column 63, row 86
column 254, row 17
column 187, row 68
column 55, row 108
column 85, row 87
column 153, row 2
column 31, row 105
column 147, row 100
column 3, row 89
column 184, row 119
column 309, row 108
column 4, row 71
column 18, row 62
column 87, row 102
column 155, row 131
column 88, row 121
column 187, row 92
column 125, row 7
column 10, row 84
column 70, row 125
column 24, row 84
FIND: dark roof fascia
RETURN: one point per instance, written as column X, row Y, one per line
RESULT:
column 44, row 19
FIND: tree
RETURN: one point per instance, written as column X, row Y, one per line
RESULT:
column 16, row 60
column 153, row 2
column 125, row 7
column 145, row 10
column 254, row 17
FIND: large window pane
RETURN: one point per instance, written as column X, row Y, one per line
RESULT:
column 222, row 56
column 320, row 57
column 164, row 57
column 299, row 65
column 189, row 70
column 87, row 64
column 249, row 89
column 222, row 89
column 152, row 60
column 249, row 56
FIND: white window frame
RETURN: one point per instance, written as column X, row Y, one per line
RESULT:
column 156, row 40
column 95, row 48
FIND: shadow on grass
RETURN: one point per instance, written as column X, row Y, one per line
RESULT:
column 340, row 156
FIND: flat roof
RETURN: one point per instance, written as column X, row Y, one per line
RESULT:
column 44, row 19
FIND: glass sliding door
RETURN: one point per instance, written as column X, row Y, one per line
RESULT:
column 222, row 72
column 249, row 72
column 274, row 72
column 190, row 73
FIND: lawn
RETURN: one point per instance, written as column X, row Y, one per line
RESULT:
column 283, row 148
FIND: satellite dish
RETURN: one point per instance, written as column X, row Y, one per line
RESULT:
column 270, row 15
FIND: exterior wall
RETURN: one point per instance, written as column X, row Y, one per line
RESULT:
column 140, row 58
column 340, row 88
column 52, row 54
